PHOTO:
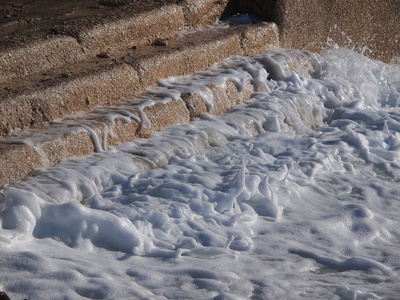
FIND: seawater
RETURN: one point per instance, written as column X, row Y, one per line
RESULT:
column 294, row 194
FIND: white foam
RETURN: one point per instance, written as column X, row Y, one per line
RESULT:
column 293, row 194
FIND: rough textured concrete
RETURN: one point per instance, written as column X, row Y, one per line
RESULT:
column 94, row 131
column 205, row 12
column 37, row 53
column 162, row 115
column 19, row 159
column 224, row 99
column 101, row 128
column 32, row 102
column 128, row 26
column 199, row 50
column 253, row 38
column 16, row 162
column 36, row 99
column 87, row 28
column 314, row 24
column 23, row 17
column 103, row 33
column 78, row 87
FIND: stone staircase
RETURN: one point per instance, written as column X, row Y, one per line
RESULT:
column 73, row 79
column 80, row 76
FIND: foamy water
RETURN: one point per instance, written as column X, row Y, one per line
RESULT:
column 294, row 194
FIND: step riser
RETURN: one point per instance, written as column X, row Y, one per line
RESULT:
column 137, row 31
column 79, row 94
column 40, row 55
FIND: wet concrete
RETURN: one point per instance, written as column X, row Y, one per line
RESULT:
column 368, row 26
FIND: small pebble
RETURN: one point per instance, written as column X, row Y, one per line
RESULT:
column 160, row 42
column 103, row 55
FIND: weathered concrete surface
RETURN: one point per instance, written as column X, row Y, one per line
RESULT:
column 38, row 52
column 35, row 100
column 200, row 13
column 313, row 24
column 40, row 98
column 89, row 27
column 224, row 99
column 102, row 128
column 199, row 50
column 125, row 27
column 21, row 16
column 105, row 32
column 18, row 159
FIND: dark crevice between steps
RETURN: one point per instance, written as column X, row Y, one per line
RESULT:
column 267, row 10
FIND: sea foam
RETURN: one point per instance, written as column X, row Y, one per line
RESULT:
column 292, row 194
